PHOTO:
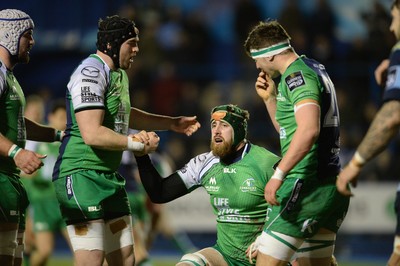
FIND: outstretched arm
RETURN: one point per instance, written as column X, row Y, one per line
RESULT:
column 159, row 189
column 142, row 120
column 38, row 132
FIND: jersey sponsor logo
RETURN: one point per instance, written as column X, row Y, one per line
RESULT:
column 248, row 185
column 94, row 208
column 90, row 71
column 88, row 97
column 221, row 202
column 212, row 187
column 229, row 170
column 184, row 169
column 212, row 181
column 90, row 81
column 14, row 96
column 295, row 80
column 14, row 213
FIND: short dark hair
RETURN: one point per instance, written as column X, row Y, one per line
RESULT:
column 266, row 33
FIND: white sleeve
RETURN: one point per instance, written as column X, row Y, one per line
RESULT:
column 2, row 78
column 194, row 170
column 88, row 85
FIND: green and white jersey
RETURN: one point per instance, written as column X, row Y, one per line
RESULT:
column 93, row 85
column 12, row 123
column 307, row 79
column 236, row 194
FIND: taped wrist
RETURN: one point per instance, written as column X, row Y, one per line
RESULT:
column 134, row 145
column 278, row 174
column 357, row 161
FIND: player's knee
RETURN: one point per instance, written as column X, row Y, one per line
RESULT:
column 8, row 242
column 194, row 259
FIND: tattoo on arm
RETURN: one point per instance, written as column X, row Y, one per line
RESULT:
column 383, row 129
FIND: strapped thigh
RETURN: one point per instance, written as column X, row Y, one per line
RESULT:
column 318, row 246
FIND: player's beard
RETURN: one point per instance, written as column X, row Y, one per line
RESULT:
column 23, row 58
column 222, row 150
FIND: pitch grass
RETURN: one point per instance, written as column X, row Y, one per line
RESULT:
column 58, row 261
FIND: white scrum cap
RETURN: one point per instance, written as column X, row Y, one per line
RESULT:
column 13, row 23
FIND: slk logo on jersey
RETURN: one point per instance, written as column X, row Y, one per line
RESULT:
column 90, row 71
column 295, row 80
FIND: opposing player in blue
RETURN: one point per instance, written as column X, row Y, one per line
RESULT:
column 383, row 129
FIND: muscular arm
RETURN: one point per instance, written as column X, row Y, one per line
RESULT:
column 307, row 132
column 147, row 121
column 159, row 189
column 95, row 134
column 140, row 119
column 383, row 129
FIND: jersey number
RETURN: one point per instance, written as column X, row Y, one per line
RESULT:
column 331, row 118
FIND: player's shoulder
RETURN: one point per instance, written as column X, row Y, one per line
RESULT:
column 263, row 152
column 205, row 158
column 92, row 67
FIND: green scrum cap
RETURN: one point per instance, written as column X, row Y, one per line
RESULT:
column 235, row 117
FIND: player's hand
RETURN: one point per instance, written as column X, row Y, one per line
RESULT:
column 149, row 139
column 28, row 161
column 265, row 86
column 381, row 72
column 270, row 191
column 185, row 124
column 347, row 176
column 252, row 250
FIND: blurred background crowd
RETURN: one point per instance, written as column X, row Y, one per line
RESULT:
column 192, row 58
